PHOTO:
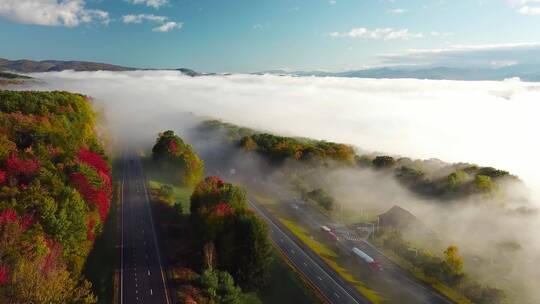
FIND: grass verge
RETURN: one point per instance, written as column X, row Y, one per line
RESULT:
column 330, row 257
column 433, row 282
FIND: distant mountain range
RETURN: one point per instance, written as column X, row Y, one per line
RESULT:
column 524, row 72
column 31, row 66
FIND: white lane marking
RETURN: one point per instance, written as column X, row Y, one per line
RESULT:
column 122, row 233
column 155, row 239
column 151, row 292
column 318, row 277
column 336, row 295
column 148, row 272
column 271, row 223
column 304, row 264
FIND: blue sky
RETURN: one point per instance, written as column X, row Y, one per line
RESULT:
column 257, row 35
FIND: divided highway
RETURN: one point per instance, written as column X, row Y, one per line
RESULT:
column 330, row 284
column 142, row 275
column 409, row 288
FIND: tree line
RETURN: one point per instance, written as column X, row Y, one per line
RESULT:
column 431, row 178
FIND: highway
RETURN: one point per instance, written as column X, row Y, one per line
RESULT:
column 397, row 285
column 402, row 283
column 329, row 284
column 142, row 274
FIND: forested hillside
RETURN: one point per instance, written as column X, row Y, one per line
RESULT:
column 31, row 66
column 55, row 191
column 431, row 178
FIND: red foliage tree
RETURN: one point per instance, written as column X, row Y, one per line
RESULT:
column 27, row 221
column 17, row 167
column 3, row 275
column 83, row 186
column 100, row 198
column 51, row 260
column 223, row 209
column 102, row 204
column 90, row 224
column 8, row 216
column 2, row 176
column 173, row 147
column 94, row 160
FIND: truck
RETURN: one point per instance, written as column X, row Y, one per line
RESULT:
column 366, row 258
column 330, row 233
column 325, row 229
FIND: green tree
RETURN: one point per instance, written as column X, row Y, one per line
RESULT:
column 453, row 261
column 381, row 162
column 171, row 151
column 220, row 216
column 321, row 197
column 219, row 287
column 253, row 250
column 484, row 184
column 456, row 180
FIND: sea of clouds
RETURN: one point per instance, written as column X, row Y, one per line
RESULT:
column 491, row 123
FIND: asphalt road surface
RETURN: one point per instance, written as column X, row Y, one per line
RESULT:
column 330, row 284
column 142, row 274
column 410, row 289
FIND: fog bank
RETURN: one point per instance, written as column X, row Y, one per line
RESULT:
column 492, row 123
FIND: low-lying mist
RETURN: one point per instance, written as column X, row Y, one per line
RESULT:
column 488, row 123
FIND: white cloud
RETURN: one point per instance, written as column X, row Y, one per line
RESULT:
column 441, row 34
column 168, row 26
column 332, row 2
column 526, row 7
column 396, row 11
column 150, row 3
column 70, row 13
column 477, row 47
column 164, row 24
column 503, row 63
column 463, row 55
column 379, row 33
column 528, row 10
column 141, row 17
